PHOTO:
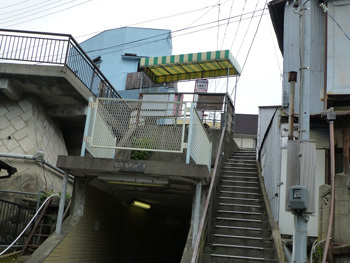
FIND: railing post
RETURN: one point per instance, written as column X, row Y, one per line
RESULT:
column 196, row 211
column 87, row 125
column 67, row 52
column 190, row 129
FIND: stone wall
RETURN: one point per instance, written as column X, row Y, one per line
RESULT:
column 25, row 128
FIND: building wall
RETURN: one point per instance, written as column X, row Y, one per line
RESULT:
column 97, row 235
column 111, row 231
column 286, row 219
column 291, row 56
column 270, row 157
column 273, row 157
column 244, row 142
column 112, row 44
column 26, row 128
column 338, row 78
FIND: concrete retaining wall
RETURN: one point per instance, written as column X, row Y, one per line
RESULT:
column 25, row 128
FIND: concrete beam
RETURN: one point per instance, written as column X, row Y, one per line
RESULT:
column 68, row 111
column 7, row 88
column 92, row 167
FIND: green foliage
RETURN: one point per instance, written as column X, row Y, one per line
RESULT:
column 142, row 143
column 44, row 195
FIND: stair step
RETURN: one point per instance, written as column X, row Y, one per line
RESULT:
column 238, row 182
column 241, row 222
column 241, row 231
column 240, row 214
column 242, row 240
column 240, row 177
column 238, row 257
column 240, row 187
column 239, row 198
column 238, row 193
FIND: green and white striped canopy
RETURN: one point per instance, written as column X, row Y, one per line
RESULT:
column 175, row 68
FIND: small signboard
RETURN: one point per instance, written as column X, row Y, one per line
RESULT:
column 201, row 86
column 124, row 166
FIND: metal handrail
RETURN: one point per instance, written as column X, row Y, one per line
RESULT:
column 57, row 49
column 204, row 220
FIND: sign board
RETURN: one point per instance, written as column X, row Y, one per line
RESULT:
column 201, row 86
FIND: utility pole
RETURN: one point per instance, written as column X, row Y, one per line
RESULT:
column 305, row 61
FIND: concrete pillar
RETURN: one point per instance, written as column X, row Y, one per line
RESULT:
column 342, row 210
column 78, row 197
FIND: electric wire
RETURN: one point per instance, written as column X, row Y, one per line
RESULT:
column 245, row 35
column 346, row 35
column 24, row 8
column 250, row 48
column 37, row 212
column 48, row 14
column 137, row 43
column 13, row 4
column 176, row 31
column 234, row 38
column 228, row 22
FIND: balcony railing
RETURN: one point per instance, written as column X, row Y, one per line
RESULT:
column 29, row 47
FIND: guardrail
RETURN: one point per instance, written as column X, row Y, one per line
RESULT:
column 30, row 47
column 142, row 125
column 13, row 218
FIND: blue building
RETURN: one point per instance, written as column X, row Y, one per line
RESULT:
column 118, row 52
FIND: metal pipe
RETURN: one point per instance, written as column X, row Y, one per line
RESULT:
column 325, row 66
column 62, row 202
column 291, row 79
column 86, row 128
column 304, row 107
column 33, row 158
column 299, row 254
column 17, row 192
column 346, row 132
column 331, row 213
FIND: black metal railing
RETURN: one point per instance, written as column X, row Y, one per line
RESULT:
column 13, row 219
column 30, row 47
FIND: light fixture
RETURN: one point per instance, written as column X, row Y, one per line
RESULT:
column 141, row 204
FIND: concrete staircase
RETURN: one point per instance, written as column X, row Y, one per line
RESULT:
column 239, row 230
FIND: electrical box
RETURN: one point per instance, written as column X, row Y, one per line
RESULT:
column 298, row 197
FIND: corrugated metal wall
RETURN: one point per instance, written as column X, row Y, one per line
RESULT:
column 338, row 77
column 291, row 62
column 270, row 155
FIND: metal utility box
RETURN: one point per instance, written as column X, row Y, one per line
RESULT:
column 298, row 198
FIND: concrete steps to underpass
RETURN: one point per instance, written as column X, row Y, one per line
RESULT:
column 239, row 230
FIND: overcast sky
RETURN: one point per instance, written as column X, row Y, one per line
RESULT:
column 197, row 26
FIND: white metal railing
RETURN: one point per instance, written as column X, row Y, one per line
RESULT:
column 145, row 125
column 199, row 145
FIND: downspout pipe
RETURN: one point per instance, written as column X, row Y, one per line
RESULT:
column 292, row 78
column 331, row 116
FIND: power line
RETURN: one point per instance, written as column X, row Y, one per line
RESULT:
column 238, row 24
column 251, row 44
column 245, row 35
column 49, row 14
column 177, row 31
column 228, row 22
column 23, row 8
column 13, row 4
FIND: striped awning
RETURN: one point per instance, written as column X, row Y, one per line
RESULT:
column 191, row 66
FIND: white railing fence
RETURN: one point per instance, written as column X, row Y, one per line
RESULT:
column 145, row 126
column 199, row 145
